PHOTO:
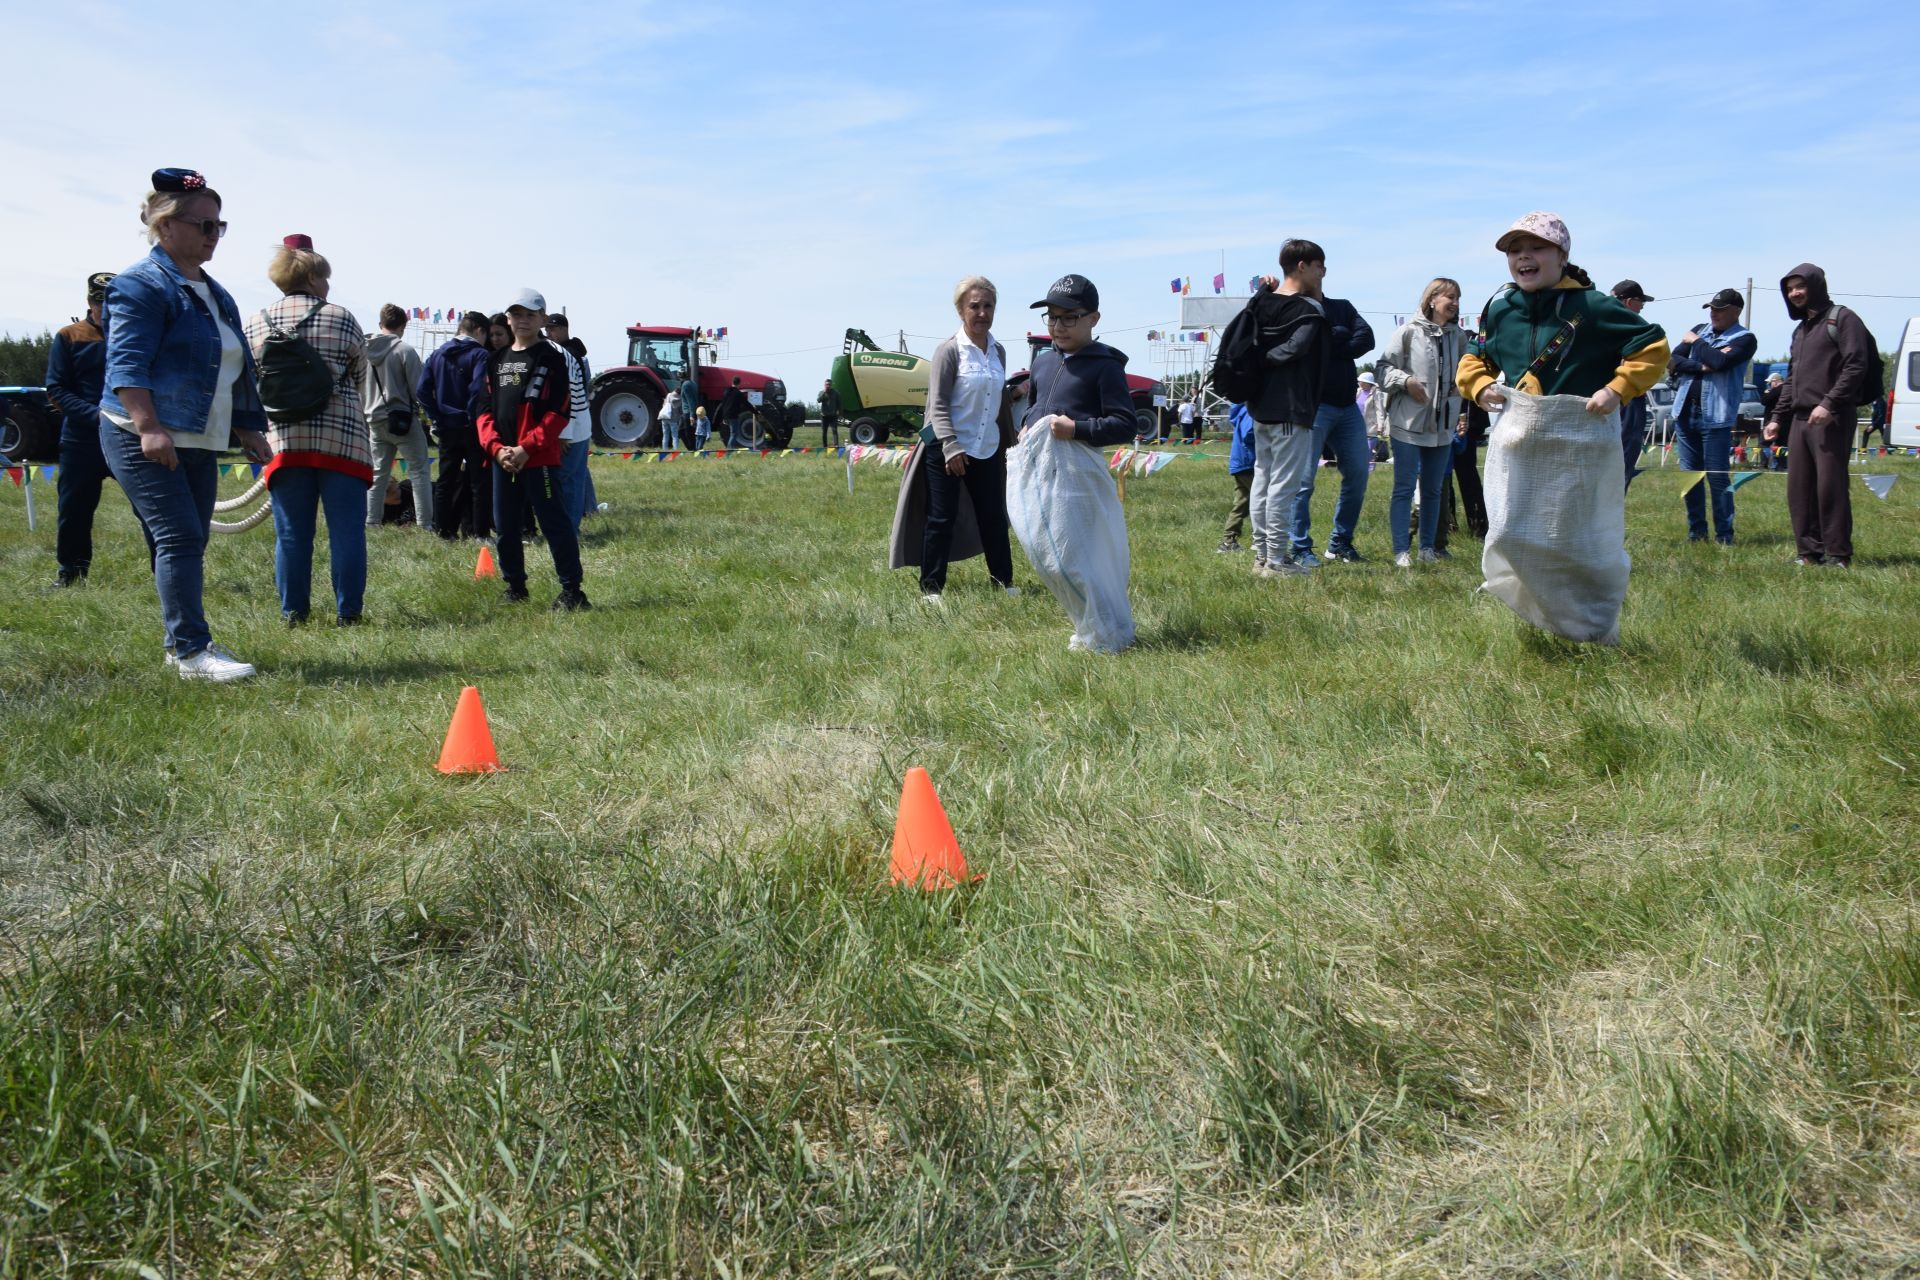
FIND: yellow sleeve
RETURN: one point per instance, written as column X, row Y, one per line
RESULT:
column 1474, row 376
column 1640, row 370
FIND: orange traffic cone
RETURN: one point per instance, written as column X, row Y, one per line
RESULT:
column 469, row 744
column 925, row 852
column 483, row 567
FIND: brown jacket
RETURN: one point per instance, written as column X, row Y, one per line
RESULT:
column 1822, row 371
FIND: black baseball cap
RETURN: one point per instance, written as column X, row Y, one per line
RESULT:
column 1070, row 293
column 1724, row 298
column 1631, row 289
column 97, row 285
column 559, row 318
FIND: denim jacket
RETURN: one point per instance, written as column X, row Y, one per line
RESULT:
column 1719, row 374
column 160, row 336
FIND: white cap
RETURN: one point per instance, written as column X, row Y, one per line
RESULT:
column 529, row 300
column 1366, row 376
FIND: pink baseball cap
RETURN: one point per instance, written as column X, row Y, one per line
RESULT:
column 297, row 241
column 1546, row 226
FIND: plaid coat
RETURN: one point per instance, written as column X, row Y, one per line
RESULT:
column 336, row 438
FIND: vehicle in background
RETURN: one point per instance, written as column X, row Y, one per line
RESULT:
column 1660, row 412
column 29, row 425
column 882, row 393
column 626, row 402
column 1903, row 390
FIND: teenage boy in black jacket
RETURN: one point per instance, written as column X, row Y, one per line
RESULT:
column 1293, row 334
column 1079, row 385
column 1339, row 426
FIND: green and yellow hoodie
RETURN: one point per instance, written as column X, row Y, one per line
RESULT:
column 1601, row 344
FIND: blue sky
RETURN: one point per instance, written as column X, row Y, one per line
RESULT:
column 789, row 170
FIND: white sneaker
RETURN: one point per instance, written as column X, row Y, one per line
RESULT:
column 1011, row 590
column 1404, row 560
column 213, row 663
column 1429, row 556
column 932, row 597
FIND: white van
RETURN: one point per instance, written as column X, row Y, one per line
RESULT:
column 1903, row 420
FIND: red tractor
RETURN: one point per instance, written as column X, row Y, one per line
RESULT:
column 627, row 401
column 1141, row 390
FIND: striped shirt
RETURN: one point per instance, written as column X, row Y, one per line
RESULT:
column 581, row 427
column 336, row 437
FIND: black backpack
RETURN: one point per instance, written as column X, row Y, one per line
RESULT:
column 1876, row 387
column 295, row 382
column 1239, row 365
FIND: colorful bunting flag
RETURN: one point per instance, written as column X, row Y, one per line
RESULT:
column 1693, row 478
column 1881, row 485
column 1742, row 477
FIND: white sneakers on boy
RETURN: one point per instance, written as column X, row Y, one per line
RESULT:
column 212, row 663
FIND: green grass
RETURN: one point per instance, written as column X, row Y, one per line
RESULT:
column 1343, row 926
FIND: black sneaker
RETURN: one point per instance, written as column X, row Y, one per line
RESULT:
column 348, row 620
column 70, row 577
column 1345, row 555
column 514, row 595
column 294, row 618
column 572, row 600
column 1228, row 546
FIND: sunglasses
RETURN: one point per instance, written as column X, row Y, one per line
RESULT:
column 212, row 227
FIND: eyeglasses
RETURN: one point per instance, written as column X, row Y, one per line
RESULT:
column 206, row 226
column 1066, row 321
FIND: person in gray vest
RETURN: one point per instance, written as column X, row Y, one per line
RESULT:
column 393, row 417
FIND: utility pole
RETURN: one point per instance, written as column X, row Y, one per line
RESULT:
column 1749, row 316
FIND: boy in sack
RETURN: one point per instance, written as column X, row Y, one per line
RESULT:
column 526, row 402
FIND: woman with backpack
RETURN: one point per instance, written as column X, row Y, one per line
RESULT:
column 312, row 358
column 179, row 381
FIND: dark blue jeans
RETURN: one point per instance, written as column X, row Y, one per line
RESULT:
column 1708, row 449
column 299, row 493
column 177, row 508
column 542, row 489
column 83, row 472
column 1345, row 428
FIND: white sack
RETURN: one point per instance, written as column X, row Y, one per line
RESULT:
column 1556, row 550
column 1066, row 513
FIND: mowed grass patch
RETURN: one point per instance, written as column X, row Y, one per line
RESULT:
column 1342, row 926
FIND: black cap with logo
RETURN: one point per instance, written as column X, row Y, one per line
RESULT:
column 97, row 285
column 1725, row 298
column 1630, row 289
column 1071, row 293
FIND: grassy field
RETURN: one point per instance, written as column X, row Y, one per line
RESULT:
column 1343, row 927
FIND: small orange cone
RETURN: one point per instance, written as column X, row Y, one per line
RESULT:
column 469, row 744
column 483, row 567
column 925, row 852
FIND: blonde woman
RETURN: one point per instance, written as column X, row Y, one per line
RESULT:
column 322, row 461
column 1417, row 372
column 179, row 382
column 962, row 457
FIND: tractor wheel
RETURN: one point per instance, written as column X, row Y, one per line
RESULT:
column 31, row 432
column 867, row 431
column 779, row 430
column 626, row 413
column 1146, row 423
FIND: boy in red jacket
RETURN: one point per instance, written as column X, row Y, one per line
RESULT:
column 526, row 402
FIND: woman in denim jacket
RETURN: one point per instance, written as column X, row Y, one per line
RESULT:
column 179, row 383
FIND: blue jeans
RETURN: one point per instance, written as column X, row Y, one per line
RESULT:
column 298, row 495
column 1429, row 465
column 541, row 489
column 1344, row 426
column 576, row 482
column 1708, row 449
column 177, row 508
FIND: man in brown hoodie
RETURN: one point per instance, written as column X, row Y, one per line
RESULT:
column 1827, row 380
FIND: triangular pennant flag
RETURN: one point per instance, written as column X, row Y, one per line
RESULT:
column 1881, row 485
column 256, row 469
column 50, row 472
column 1742, row 477
column 13, row 474
column 1693, row 478
column 226, row 468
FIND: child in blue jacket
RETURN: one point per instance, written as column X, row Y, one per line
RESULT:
column 1240, row 467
